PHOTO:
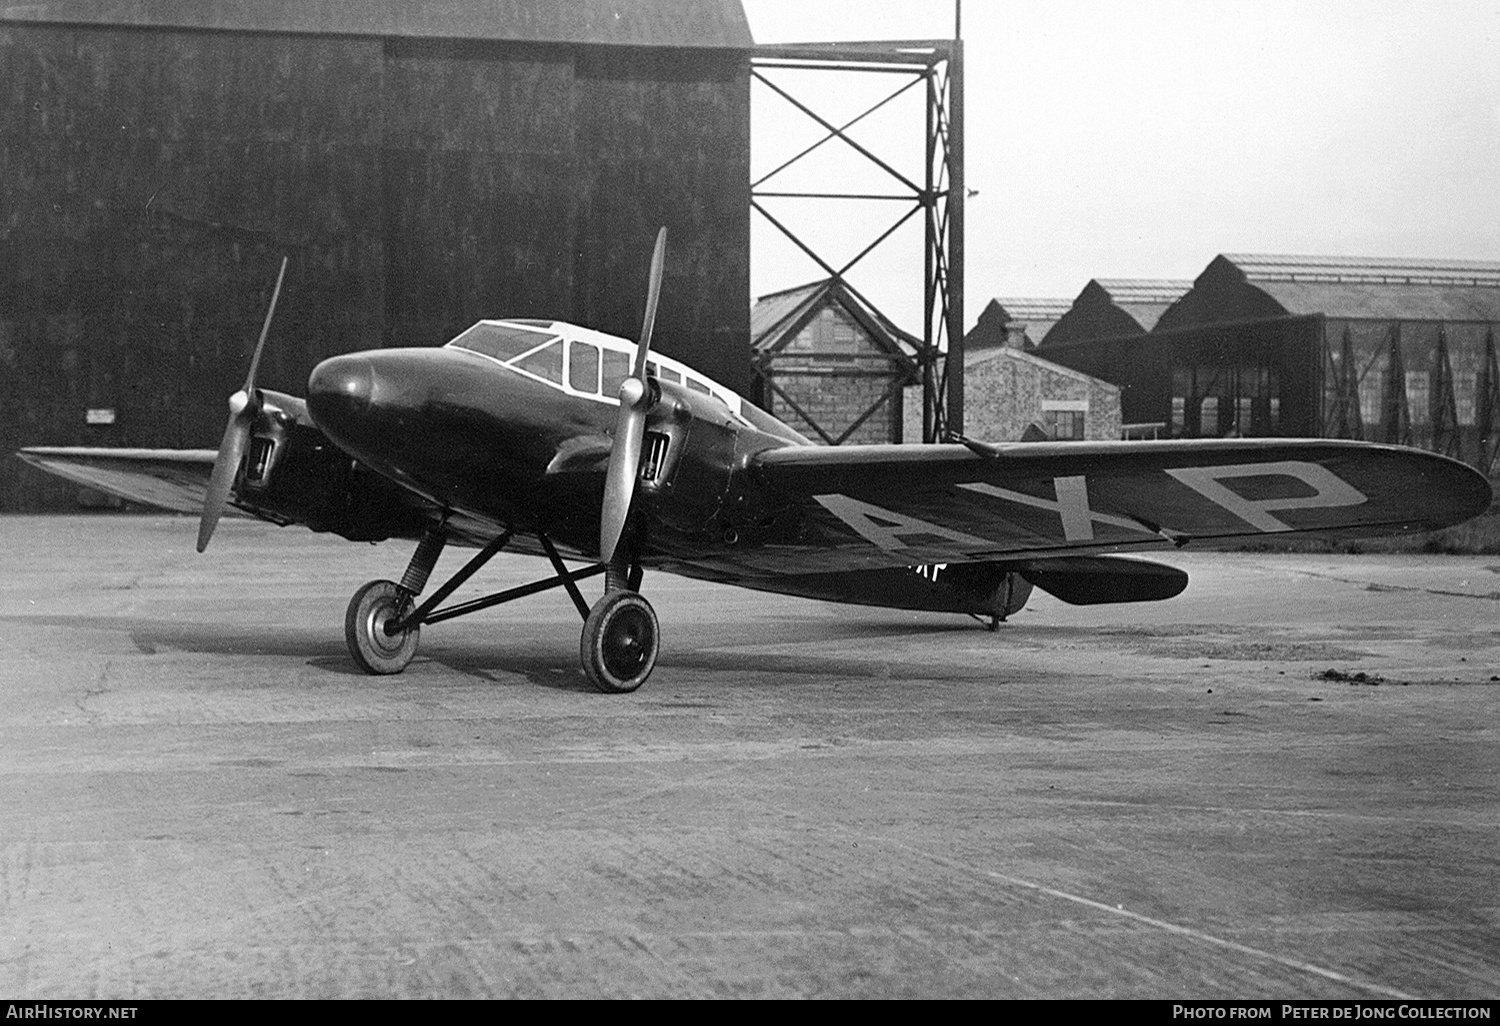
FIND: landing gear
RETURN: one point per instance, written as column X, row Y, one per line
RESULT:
column 374, row 608
column 620, row 642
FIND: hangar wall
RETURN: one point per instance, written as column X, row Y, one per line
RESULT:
column 154, row 176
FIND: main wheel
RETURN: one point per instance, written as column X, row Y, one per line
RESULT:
column 371, row 608
column 620, row 642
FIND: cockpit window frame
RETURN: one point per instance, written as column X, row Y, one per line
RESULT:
column 610, row 349
column 510, row 332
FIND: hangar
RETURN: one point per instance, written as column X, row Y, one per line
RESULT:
column 1108, row 307
column 1387, row 350
column 422, row 165
column 1018, row 322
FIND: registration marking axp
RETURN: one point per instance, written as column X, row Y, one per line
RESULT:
column 885, row 528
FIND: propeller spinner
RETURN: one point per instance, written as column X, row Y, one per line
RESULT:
column 630, row 424
column 243, row 406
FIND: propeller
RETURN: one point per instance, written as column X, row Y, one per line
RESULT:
column 630, row 424
column 243, row 406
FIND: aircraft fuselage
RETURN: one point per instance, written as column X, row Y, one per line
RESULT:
column 491, row 441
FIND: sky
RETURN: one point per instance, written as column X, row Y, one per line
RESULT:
column 1140, row 138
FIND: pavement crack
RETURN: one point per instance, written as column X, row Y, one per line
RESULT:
column 1489, row 596
column 90, row 692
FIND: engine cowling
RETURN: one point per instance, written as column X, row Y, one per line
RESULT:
column 687, row 463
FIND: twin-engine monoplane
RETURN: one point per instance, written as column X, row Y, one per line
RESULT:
column 569, row 444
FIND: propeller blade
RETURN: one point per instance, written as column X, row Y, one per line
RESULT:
column 265, row 329
column 226, row 466
column 243, row 406
column 630, row 423
column 653, row 293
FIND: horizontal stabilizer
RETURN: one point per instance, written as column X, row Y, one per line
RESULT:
column 1097, row 580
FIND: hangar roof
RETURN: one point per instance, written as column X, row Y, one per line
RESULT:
column 1114, row 307
column 1014, row 321
column 1242, row 287
column 663, row 23
column 1033, row 309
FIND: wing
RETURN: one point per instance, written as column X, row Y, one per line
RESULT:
column 172, row 479
column 868, row 506
column 313, row 484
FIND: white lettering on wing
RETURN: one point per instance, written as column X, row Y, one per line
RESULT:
column 1071, row 507
column 884, row 529
column 1329, row 490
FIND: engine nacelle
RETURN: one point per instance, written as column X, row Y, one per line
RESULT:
column 293, row 474
column 687, row 464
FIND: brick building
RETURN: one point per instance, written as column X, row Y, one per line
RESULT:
column 830, row 366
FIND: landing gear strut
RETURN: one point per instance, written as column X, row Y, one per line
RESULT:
column 618, row 647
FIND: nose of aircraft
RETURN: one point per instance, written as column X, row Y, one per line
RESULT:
column 346, row 379
column 340, row 391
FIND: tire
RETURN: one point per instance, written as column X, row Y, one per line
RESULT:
column 620, row 642
column 373, row 649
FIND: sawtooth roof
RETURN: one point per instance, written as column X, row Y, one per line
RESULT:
column 1240, row 287
column 657, row 23
column 1032, row 309
column 1112, row 307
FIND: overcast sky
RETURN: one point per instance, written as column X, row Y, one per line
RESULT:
column 1140, row 139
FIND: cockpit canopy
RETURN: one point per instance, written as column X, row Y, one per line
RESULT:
column 577, row 360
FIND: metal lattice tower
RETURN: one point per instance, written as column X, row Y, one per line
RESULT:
column 937, row 67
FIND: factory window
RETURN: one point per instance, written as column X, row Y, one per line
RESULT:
column 1465, row 384
column 1064, row 425
column 1064, row 419
column 1418, row 395
column 1208, row 417
column 583, row 367
column 1371, row 395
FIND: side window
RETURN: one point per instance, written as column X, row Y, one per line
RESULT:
column 616, row 370
column 583, row 367
column 698, row 386
column 658, row 371
column 546, row 363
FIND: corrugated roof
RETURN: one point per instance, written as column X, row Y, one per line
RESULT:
column 1372, row 288
column 1144, row 290
column 1144, row 300
column 665, row 23
column 1366, row 270
column 1366, row 301
column 1030, row 308
column 772, row 310
column 775, row 313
